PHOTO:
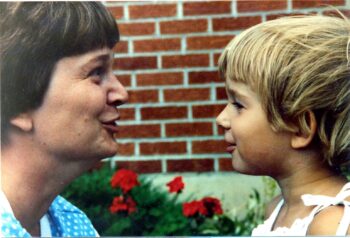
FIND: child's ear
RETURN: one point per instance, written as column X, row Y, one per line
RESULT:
column 23, row 122
column 302, row 139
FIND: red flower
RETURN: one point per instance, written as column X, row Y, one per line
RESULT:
column 208, row 207
column 125, row 179
column 193, row 208
column 212, row 205
column 122, row 204
column 176, row 185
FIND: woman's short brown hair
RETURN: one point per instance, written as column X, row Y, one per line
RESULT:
column 34, row 36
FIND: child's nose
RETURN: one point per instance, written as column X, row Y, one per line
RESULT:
column 223, row 119
column 117, row 93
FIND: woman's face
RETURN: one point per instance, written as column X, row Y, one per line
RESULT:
column 78, row 114
column 255, row 148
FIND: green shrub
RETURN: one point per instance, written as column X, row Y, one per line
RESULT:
column 158, row 214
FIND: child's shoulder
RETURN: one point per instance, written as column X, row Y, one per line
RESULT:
column 326, row 222
column 272, row 205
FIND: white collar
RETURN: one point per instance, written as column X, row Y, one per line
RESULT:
column 5, row 207
column 4, row 203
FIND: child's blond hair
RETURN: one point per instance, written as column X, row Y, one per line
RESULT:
column 297, row 65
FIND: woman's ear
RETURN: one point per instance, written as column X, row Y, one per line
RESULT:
column 302, row 139
column 23, row 122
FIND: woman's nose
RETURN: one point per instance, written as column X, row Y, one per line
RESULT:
column 117, row 94
column 223, row 119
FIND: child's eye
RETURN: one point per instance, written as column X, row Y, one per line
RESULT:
column 238, row 106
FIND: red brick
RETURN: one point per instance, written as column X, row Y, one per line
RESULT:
column 157, row 45
column 208, row 146
column 221, row 130
column 124, row 79
column 133, row 63
column 143, row 96
column 194, row 165
column 336, row 14
column 126, row 149
column 206, row 7
column 208, row 42
column 117, row 12
column 235, row 23
column 221, row 93
column 316, row 3
column 189, row 129
column 261, row 5
column 180, row 61
column 139, row 131
column 156, row 148
column 183, row 26
column 136, row 29
column 151, row 113
column 121, row 47
column 159, row 79
column 276, row 16
column 152, row 11
column 204, row 77
column 216, row 58
column 141, row 167
column 181, row 95
column 207, row 111
column 127, row 114
column 225, row 164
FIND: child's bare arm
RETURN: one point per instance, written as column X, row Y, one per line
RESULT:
column 327, row 221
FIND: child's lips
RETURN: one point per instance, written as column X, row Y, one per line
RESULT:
column 230, row 148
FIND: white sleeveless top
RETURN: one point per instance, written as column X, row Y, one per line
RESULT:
column 301, row 225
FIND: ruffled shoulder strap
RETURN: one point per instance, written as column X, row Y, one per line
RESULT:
column 274, row 214
column 266, row 227
column 321, row 202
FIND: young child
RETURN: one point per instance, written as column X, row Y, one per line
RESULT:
column 288, row 117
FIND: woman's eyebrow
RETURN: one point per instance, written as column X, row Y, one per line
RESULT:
column 100, row 58
column 103, row 59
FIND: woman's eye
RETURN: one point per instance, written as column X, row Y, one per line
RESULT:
column 97, row 72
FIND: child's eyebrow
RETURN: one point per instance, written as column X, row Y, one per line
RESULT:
column 234, row 93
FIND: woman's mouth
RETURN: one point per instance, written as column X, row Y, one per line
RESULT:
column 111, row 127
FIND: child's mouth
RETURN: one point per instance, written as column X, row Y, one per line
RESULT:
column 230, row 148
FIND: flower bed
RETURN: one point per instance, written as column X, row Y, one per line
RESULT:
column 119, row 203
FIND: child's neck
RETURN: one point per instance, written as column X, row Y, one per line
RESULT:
column 310, row 180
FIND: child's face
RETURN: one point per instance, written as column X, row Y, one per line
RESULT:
column 255, row 148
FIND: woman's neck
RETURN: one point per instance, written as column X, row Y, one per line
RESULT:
column 31, row 180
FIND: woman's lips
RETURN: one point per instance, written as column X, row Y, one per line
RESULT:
column 230, row 148
column 111, row 127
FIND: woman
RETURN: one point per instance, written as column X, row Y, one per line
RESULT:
column 59, row 101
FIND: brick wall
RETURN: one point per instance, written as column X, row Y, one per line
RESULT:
column 167, row 59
